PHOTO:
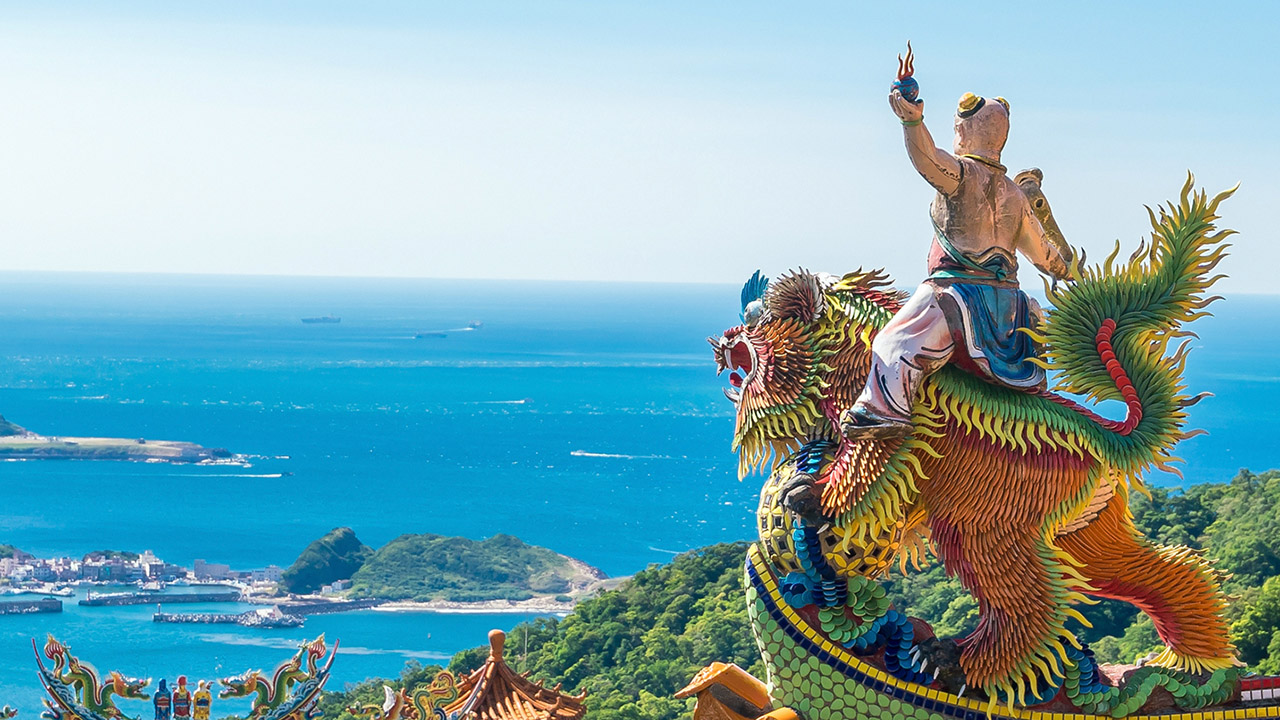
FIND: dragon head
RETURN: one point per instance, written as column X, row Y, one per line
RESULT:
column 800, row 356
column 55, row 650
column 129, row 688
column 241, row 685
column 314, row 650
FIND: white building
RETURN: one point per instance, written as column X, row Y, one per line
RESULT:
column 211, row 571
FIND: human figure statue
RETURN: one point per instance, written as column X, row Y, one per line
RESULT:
column 202, row 700
column 162, row 700
column 969, row 310
column 181, row 700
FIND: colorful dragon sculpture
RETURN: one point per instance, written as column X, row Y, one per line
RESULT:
column 426, row 703
column 278, row 698
column 1024, row 496
column 75, row 689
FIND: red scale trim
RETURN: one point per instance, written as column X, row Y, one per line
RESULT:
column 1259, row 683
column 1133, row 404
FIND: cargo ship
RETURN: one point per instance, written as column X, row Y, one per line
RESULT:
column 473, row 325
column 324, row 320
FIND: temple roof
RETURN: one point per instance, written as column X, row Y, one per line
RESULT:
column 496, row 692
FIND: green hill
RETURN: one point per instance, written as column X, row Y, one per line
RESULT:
column 336, row 556
column 435, row 567
column 8, row 429
column 632, row 647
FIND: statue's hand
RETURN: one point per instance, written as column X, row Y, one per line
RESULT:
column 906, row 110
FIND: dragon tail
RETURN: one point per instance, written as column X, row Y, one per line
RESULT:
column 1109, row 333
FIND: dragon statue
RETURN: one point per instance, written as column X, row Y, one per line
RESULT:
column 1021, row 494
column 278, row 698
column 426, row 703
column 75, row 689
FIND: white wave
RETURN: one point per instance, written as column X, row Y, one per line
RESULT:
column 499, row 402
column 227, row 475
column 669, row 552
column 619, row 456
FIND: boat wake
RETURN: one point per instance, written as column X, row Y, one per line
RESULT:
column 619, row 456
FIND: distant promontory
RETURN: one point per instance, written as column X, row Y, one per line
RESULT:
column 16, row 442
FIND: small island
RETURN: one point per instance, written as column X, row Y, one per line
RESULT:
column 16, row 442
column 443, row 574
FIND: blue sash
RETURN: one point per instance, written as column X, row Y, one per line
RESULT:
column 996, row 312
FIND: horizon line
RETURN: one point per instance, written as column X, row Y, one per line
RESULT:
column 577, row 281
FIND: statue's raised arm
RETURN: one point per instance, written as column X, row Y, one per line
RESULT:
column 938, row 167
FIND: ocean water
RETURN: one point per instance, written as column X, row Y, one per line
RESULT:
column 585, row 417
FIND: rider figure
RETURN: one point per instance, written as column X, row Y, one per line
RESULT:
column 970, row 307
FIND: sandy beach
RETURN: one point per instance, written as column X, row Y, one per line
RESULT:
column 532, row 606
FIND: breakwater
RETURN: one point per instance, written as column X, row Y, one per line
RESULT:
column 250, row 618
column 27, row 607
column 115, row 599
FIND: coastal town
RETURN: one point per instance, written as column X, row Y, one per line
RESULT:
column 23, row 572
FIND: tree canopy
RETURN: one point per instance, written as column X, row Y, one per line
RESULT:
column 631, row 648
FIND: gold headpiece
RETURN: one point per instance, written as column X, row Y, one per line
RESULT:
column 969, row 104
column 1003, row 102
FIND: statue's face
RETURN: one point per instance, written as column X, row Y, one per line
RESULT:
column 982, row 131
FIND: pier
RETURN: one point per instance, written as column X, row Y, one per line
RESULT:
column 27, row 607
column 264, row 618
column 114, row 599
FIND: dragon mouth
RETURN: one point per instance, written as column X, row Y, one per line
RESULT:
column 735, row 354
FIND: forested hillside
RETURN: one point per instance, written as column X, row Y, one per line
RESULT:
column 632, row 647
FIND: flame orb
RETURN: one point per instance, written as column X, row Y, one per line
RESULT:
column 909, row 88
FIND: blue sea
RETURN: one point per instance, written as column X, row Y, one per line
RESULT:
column 585, row 417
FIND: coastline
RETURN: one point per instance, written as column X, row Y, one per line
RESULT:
column 532, row 606
column 32, row 446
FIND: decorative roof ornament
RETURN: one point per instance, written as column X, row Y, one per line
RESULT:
column 496, row 692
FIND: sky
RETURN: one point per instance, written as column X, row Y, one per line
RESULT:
column 646, row 141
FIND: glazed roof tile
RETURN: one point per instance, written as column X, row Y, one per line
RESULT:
column 496, row 692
